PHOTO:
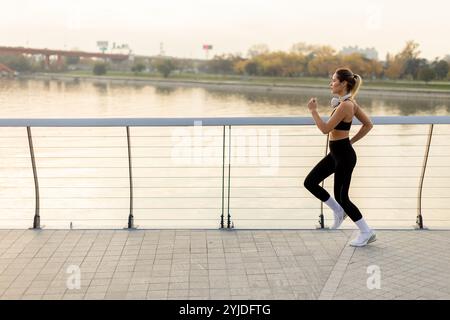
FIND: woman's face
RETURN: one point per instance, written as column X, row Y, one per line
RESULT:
column 336, row 86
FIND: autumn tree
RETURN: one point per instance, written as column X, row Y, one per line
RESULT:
column 257, row 49
column 361, row 65
column 394, row 67
column 404, row 64
column 323, row 62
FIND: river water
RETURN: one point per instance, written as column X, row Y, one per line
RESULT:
column 178, row 173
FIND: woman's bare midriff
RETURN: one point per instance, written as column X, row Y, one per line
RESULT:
column 338, row 134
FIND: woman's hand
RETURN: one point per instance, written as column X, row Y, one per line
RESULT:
column 312, row 104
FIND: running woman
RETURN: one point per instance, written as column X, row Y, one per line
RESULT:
column 342, row 157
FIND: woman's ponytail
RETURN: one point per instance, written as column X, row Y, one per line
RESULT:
column 354, row 81
column 358, row 83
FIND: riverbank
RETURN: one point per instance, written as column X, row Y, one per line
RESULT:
column 260, row 84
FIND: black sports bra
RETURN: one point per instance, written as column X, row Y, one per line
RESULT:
column 342, row 125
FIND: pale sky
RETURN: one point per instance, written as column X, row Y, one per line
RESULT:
column 231, row 26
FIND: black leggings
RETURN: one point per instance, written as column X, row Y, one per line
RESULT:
column 341, row 160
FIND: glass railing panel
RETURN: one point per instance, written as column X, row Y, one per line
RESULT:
column 269, row 165
column 177, row 174
column 386, row 179
column 436, row 186
column 83, row 176
column 17, row 199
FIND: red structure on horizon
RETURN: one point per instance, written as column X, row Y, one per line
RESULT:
column 6, row 70
column 62, row 53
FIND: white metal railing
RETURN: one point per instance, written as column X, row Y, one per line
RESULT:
column 251, row 176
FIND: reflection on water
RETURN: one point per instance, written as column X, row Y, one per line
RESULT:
column 72, row 85
column 51, row 98
column 101, row 88
column 376, row 106
column 164, row 90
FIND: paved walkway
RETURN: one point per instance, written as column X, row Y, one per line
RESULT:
column 214, row 264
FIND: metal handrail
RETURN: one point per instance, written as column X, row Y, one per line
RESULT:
column 231, row 121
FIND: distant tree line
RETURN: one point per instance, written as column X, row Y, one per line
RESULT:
column 302, row 60
column 321, row 61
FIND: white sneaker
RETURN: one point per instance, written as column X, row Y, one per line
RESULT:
column 339, row 217
column 363, row 239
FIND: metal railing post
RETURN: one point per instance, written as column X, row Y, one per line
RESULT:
column 419, row 219
column 223, row 181
column 37, row 217
column 321, row 216
column 229, row 223
column 130, row 174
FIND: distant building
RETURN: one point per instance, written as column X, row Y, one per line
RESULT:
column 120, row 49
column 369, row 53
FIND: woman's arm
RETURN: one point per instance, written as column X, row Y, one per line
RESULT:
column 367, row 124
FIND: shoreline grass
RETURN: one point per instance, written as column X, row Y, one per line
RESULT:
column 394, row 85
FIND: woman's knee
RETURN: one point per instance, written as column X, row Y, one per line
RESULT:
column 307, row 183
column 310, row 182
